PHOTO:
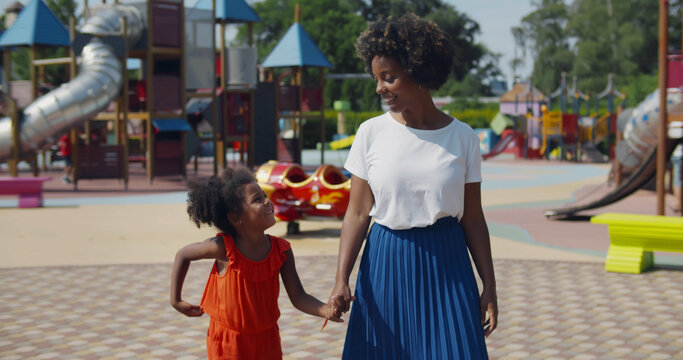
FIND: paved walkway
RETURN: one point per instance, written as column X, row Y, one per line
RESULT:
column 87, row 276
column 548, row 310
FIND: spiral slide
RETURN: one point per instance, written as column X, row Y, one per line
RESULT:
column 98, row 83
column 637, row 152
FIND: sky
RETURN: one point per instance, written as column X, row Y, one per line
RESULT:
column 495, row 18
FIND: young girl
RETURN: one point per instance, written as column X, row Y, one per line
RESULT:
column 243, row 287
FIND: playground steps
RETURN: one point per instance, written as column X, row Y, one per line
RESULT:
column 591, row 153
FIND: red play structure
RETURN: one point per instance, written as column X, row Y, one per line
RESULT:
column 295, row 194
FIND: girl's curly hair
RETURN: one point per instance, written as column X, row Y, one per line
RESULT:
column 420, row 46
column 210, row 200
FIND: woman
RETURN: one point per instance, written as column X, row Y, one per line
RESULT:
column 417, row 172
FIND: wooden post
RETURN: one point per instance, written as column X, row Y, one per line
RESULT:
column 219, row 115
column 222, row 57
column 250, row 31
column 149, row 66
column 183, row 143
column 252, row 127
column 619, row 137
column 183, row 88
column 322, row 116
column 33, row 156
column 72, row 36
column 663, row 116
column 87, row 131
column 32, row 71
column 9, row 103
column 74, row 156
column 44, row 156
column 7, row 75
column 300, row 120
column 122, row 138
column 214, row 106
column 15, row 150
column 276, row 84
column 41, row 69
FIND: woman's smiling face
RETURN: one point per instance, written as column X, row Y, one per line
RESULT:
column 396, row 87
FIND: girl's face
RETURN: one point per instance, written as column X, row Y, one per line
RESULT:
column 257, row 210
column 396, row 87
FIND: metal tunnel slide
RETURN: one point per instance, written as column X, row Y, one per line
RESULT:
column 637, row 180
column 98, row 83
column 638, row 152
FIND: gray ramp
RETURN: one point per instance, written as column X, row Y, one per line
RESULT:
column 644, row 173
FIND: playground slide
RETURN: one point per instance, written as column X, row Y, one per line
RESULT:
column 98, row 83
column 637, row 180
column 500, row 146
column 637, row 153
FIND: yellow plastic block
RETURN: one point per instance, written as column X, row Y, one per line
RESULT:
column 633, row 238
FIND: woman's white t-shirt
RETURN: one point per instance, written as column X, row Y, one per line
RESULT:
column 416, row 176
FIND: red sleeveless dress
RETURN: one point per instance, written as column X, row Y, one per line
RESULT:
column 243, row 306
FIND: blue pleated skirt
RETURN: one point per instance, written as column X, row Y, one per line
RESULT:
column 416, row 297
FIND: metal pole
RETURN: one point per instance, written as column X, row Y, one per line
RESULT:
column 663, row 118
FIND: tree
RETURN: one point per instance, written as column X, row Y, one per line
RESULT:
column 606, row 36
column 543, row 33
column 335, row 24
column 619, row 37
column 332, row 24
column 63, row 10
column 477, row 82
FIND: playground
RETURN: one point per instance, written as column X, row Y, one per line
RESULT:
column 100, row 262
column 147, row 109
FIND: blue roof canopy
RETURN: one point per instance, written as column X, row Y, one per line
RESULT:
column 233, row 11
column 36, row 25
column 296, row 49
column 175, row 124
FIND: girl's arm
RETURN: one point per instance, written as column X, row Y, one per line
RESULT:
column 212, row 248
column 478, row 241
column 298, row 296
column 354, row 229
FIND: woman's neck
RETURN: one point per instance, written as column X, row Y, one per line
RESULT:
column 426, row 117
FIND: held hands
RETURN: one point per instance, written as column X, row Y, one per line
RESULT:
column 338, row 303
column 341, row 298
column 330, row 314
column 489, row 305
column 188, row 309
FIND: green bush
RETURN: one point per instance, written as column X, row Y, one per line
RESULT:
column 477, row 117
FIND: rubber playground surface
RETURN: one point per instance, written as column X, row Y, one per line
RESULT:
column 87, row 276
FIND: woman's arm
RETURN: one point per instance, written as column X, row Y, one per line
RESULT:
column 298, row 296
column 354, row 229
column 212, row 248
column 478, row 241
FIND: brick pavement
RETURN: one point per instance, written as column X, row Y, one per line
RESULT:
column 548, row 310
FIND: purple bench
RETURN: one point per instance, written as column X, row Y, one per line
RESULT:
column 29, row 189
